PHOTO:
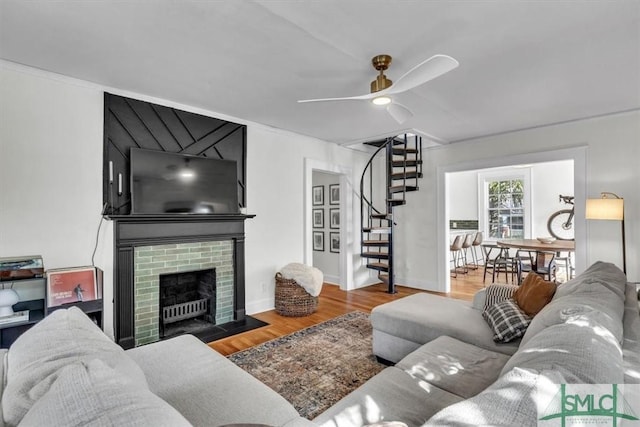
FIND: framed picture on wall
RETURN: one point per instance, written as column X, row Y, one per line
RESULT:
column 334, row 242
column 334, row 218
column 334, row 194
column 318, row 218
column 69, row 285
column 318, row 240
column 318, row 195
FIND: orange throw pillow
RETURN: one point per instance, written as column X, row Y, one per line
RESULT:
column 534, row 293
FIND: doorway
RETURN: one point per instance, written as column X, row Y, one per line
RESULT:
column 445, row 197
column 328, row 221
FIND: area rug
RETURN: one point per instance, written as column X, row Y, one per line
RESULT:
column 317, row 366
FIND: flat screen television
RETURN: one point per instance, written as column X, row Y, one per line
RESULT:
column 174, row 183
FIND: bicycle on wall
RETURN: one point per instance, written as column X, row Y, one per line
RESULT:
column 560, row 223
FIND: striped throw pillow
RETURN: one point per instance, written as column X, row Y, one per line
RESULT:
column 507, row 320
column 498, row 293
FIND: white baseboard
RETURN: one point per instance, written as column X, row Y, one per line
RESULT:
column 260, row 306
column 425, row 285
column 332, row 279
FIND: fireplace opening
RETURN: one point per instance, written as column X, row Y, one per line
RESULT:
column 187, row 302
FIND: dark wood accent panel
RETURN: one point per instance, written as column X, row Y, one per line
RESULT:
column 130, row 123
column 124, row 303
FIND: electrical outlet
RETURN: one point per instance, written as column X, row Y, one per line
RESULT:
column 455, row 225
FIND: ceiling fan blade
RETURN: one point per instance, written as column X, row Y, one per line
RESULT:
column 399, row 112
column 427, row 70
column 346, row 98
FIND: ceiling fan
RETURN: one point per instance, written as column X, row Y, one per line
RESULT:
column 382, row 88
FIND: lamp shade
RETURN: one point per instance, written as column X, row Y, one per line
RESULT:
column 612, row 209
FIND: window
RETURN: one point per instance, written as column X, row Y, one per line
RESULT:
column 504, row 208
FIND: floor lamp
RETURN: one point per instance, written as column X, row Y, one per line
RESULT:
column 609, row 206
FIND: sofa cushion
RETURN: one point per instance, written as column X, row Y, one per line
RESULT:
column 454, row 366
column 60, row 339
column 507, row 320
column 207, row 388
column 596, row 294
column 391, row 395
column 513, row 400
column 498, row 293
column 422, row 317
column 91, row 393
column 534, row 293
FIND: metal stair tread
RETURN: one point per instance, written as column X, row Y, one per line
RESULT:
column 376, row 230
column 380, row 243
column 407, row 174
column 378, row 255
column 401, row 188
column 380, row 266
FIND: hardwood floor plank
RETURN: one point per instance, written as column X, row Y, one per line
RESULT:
column 334, row 302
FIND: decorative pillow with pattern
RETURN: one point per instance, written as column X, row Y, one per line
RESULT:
column 507, row 320
column 498, row 293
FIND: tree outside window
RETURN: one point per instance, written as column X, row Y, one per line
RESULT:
column 506, row 209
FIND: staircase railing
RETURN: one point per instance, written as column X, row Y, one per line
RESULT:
column 400, row 175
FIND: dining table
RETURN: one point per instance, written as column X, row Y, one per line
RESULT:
column 538, row 254
column 536, row 245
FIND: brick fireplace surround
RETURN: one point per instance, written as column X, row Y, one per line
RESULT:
column 217, row 242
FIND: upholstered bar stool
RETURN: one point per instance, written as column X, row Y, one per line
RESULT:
column 466, row 245
column 455, row 253
column 477, row 241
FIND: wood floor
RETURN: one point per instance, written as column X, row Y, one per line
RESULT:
column 334, row 302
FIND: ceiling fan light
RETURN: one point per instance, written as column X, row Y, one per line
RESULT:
column 381, row 100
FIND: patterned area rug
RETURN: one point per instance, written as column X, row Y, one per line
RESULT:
column 317, row 366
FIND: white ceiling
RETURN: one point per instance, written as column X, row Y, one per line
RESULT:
column 522, row 63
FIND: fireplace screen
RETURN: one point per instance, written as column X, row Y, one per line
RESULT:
column 187, row 302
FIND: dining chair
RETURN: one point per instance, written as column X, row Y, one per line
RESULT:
column 541, row 262
column 498, row 260
column 525, row 261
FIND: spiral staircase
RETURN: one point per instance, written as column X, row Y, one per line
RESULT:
column 402, row 169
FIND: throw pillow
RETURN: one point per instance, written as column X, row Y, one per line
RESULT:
column 498, row 293
column 91, row 393
column 61, row 338
column 507, row 320
column 534, row 294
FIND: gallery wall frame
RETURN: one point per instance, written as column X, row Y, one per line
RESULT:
column 318, row 241
column 334, row 194
column 334, row 242
column 334, row 218
column 318, row 195
column 318, row 218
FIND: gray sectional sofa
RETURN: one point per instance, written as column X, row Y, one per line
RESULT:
column 66, row 372
column 450, row 372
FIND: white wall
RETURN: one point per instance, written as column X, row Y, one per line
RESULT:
column 612, row 158
column 51, row 130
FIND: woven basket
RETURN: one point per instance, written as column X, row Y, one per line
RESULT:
column 292, row 299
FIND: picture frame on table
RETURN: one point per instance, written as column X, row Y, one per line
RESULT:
column 334, row 242
column 318, row 241
column 334, row 194
column 334, row 218
column 71, row 285
column 318, row 218
column 317, row 193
